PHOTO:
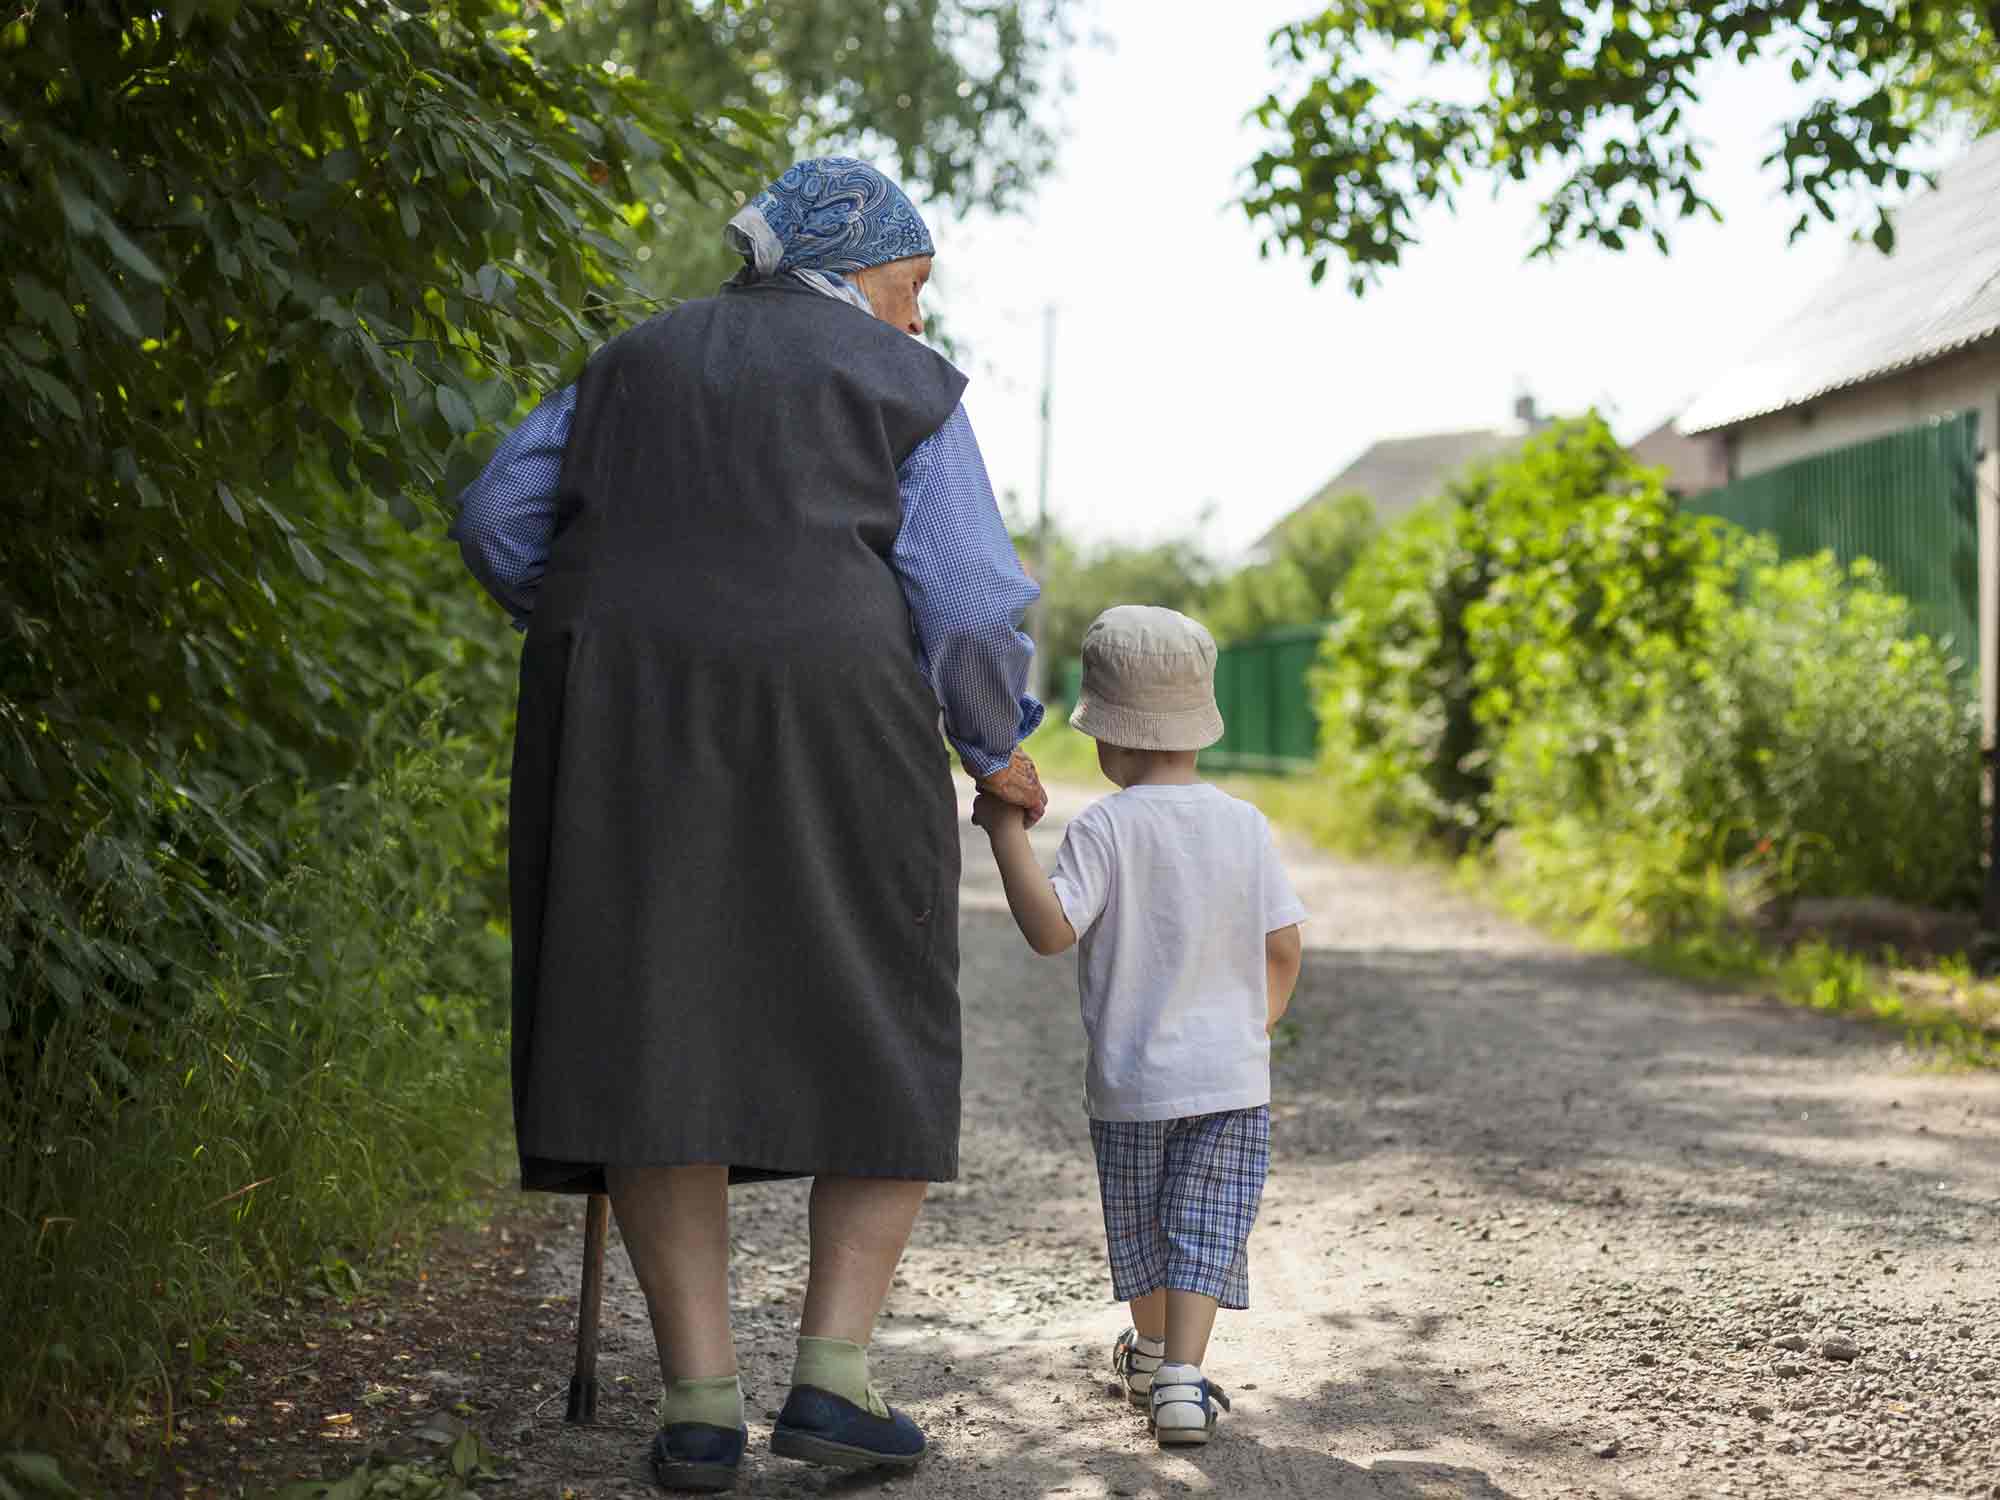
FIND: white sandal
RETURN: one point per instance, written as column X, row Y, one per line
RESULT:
column 1184, row 1405
column 1135, row 1366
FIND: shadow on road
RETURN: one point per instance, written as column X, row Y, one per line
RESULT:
column 1549, row 1074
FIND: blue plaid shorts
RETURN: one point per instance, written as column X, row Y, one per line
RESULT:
column 1179, row 1199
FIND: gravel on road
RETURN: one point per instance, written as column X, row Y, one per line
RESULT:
column 1540, row 1224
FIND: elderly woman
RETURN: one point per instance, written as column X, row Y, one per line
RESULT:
column 755, row 552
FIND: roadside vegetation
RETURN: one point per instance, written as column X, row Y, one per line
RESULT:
column 275, row 275
column 1643, row 729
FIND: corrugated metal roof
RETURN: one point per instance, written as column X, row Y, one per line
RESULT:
column 1938, row 293
column 1400, row 473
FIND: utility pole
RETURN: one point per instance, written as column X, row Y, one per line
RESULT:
column 1043, row 676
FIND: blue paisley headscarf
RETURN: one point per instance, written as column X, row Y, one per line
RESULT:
column 824, row 217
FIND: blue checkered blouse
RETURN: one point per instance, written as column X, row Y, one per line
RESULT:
column 965, row 586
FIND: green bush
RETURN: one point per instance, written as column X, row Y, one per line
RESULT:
column 1410, row 703
column 1314, row 555
column 270, row 270
column 1815, row 747
column 1395, row 690
column 335, row 1055
column 1665, row 717
column 272, row 274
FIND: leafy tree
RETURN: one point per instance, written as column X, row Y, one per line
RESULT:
column 1554, row 575
column 273, row 270
column 1812, row 741
column 1315, row 553
column 952, row 93
column 1605, row 93
column 271, row 267
column 1079, row 583
column 268, row 273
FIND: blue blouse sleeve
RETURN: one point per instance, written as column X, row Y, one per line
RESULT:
column 967, row 593
column 507, row 516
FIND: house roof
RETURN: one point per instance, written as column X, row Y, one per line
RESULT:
column 1693, row 464
column 1400, row 473
column 1938, row 293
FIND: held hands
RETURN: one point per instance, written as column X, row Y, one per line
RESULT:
column 1017, row 784
column 993, row 815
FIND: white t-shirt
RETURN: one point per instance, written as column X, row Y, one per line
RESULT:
column 1171, row 890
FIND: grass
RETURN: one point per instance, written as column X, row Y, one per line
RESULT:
column 313, row 1103
column 1062, row 754
column 1941, row 1009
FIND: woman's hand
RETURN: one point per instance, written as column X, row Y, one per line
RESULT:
column 1018, row 784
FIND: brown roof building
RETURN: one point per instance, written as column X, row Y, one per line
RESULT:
column 1399, row 474
column 1693, row 464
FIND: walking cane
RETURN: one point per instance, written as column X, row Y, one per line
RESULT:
column 589, row 1310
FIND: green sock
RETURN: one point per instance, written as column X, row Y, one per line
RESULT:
column 717, row 1402
column 840, row 1367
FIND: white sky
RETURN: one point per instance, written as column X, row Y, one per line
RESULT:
column 1189, row 371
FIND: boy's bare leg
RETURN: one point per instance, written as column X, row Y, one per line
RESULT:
column 859, row 1228
column 1149, row 1314
column 1190, row 1320
column 675, row 1221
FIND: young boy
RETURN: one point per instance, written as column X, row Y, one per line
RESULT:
column 1190, row 950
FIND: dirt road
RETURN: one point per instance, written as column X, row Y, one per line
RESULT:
column 1539, row 1224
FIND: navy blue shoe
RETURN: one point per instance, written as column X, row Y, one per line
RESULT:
column 818, row 1427
column 698, row 1456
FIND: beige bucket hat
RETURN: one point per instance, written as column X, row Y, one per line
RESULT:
column 1148, row 681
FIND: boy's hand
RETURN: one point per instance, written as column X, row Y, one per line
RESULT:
column 1019, row 783
column 992, row 814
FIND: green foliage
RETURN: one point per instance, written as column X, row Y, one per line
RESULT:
column 1605, row 95
column 1314, row 555
column 32, row 1474
column 455, row 1473
column 1595, row 580
column 1667, row 722
column 1395, row 689
column 952, row 91
column 1815, row 746
column 1079, row 583
column 271, row 269
column 1534, row 578
column 1061, row 753
column 272, row 272
column 950, row 94
column 285, row 261
column 340, row 1056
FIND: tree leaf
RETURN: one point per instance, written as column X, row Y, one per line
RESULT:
column 310, row 565
column 30, row 345
column 37, row 1469
column 456, row 410
column 284, row 521
column 39, row 302
column 104, row 299
column 228, row 498
column 135, row 260
column 53, row 391
column 78, row 211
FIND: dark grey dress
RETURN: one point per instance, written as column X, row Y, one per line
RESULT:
column 734, row 856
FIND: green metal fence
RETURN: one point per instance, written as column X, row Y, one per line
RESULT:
column 1908, row 501
column 1267, row 710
